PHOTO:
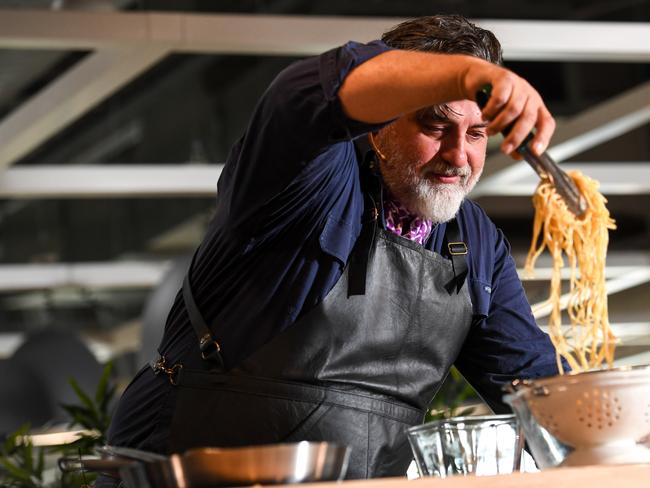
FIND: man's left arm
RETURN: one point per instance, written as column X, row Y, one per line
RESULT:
column 507, row 344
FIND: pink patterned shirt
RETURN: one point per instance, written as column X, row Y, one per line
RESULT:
column 403, row 223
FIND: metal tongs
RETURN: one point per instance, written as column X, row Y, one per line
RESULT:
column 544, row 165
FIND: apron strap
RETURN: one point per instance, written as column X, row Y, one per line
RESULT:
column 458, row 254
column 361, row 254
column 210, row 348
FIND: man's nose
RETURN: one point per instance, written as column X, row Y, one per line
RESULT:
column 454, row 151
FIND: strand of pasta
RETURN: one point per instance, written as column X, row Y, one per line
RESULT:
column 582, row 241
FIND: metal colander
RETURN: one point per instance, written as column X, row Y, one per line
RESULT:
column 600, row 416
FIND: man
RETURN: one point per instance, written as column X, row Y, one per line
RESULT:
column 344, row 272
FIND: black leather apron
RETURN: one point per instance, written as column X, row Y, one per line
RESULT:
column 356, row 370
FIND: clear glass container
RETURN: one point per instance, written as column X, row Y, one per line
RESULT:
column 482, row 445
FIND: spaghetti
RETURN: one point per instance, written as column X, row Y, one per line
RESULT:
column 588, row 341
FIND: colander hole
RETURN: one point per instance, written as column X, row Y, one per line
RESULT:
column 616, row 399
column 589, row 424
column 610, row 424
column 616, row 417
column 581, row 419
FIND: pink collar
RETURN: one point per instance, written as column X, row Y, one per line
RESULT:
column 403, row 223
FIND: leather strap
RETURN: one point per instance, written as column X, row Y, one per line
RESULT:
column 457, row 250
column 361, row 254
column 210, row 348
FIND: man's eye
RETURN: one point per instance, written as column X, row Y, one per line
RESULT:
column 433, row 129
column 476, row 135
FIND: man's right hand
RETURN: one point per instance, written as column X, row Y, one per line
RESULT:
column 512, row 101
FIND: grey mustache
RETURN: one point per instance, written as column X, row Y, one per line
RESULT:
column 447, row 171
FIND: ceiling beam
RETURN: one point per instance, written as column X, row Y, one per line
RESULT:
column 616, row 178
column 199, row 180
column 641, row 359
column 621, row 273
column 70, row 96
column 118, row 181
column 303, row 35
column 584, row 131
column 629, row 333
column 119, row 274
column 639, row 276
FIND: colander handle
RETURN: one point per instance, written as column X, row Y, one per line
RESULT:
column 517, row 385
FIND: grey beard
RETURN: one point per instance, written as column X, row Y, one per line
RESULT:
column 437, row 203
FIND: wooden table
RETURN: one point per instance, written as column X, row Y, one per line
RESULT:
column 630, row 476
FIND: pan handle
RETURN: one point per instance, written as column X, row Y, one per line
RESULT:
column 109, row 466
column 129, row 453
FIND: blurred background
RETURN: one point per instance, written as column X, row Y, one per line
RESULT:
column 116, row 117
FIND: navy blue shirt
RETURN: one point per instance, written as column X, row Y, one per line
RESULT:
column 289, row 208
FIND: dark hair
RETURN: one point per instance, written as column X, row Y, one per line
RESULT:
column 449, row 34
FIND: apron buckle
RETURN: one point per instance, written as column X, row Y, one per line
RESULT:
column 209, row 347
column 159, row 366
column 211, row 350
column 457, row 248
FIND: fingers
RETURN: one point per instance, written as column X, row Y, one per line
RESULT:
column 516, row 109
column 520, row 117
column 545, row 127
column 502, row 84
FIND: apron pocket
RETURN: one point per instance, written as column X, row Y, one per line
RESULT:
column 226, row 416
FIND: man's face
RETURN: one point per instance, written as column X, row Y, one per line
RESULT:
column 434, row 157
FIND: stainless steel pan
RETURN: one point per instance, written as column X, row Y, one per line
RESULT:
column 205, row 467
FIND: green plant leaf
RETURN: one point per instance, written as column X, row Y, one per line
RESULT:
column 85, row 399
column 81, row 416
column 16, row 472
column 106, row 401
column 41, row 463
column 15, row 439
column 103, row 385
column 27, row 456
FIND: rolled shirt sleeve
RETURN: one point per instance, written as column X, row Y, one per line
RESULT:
column 298, row 117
